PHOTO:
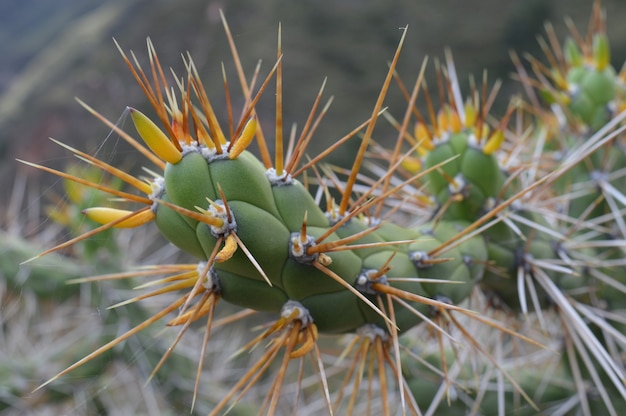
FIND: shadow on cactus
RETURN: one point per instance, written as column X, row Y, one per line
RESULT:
column 489, row 262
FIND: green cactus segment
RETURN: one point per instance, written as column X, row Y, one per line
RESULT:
column 250, row 293
column 477, row 177
column 293, row 200
column 437, row 183
column 265, row 218
column 591, row 88
column 355, row 226
column 468, row 208
column 459, row 142
column 503, row 284
column 336, row 312
column 481, row 171
column 463, row 269
column 591, row 96
column 392, row 232
column 188, row 183
column 243, row 179
column 403, row 268
column 599, row 85
column 302, row 280
column 177, row 230
column 264, row 236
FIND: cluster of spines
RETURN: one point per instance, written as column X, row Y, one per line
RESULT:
column 264, row 243
column 561, row 253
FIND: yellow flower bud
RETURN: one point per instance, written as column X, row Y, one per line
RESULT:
column 494, row 142
column 105, row 215
column 154, row 137
column 244, row 139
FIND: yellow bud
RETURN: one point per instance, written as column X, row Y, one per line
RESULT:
column 230, row 246
column 412, row 164
column 244, row 139
column 442, row 121
column 494, row 142
column 423, row 137
column 103, row 215
column 455, row 121
column 470, row 115
column 154, row 137
column 485, row 132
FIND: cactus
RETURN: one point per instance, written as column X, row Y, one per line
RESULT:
column 520, row 223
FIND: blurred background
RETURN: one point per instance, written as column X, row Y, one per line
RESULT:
column 54, row 51
column 51, row 52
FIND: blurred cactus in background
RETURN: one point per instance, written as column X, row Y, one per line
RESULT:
column 465, row 263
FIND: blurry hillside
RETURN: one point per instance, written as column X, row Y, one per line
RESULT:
column 53, row 51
